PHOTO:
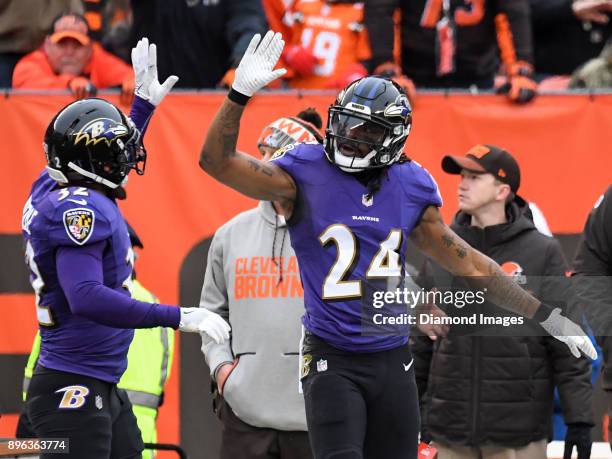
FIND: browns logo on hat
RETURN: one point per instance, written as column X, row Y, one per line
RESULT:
column 486, row 159
column 70, row 26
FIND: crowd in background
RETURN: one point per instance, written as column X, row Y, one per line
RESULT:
column 513, row 46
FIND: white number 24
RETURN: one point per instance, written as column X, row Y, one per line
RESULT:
column 385, row 264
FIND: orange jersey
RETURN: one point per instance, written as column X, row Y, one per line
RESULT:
column 104, row 70
column 275, row 12
column 334, row 33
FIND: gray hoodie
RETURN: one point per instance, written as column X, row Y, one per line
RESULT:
column 243, row 284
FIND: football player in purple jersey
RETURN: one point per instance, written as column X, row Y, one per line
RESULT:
column 351, row 205
column 81, row 260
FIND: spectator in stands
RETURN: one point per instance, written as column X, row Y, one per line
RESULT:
column 201, row 41
column 568, row 33
column 110, row 24
column 262, row 412
column 322, row 53
column 592, row 269
column 453, row 44
column 595, row 73
column 69, row 59
column 327, row 43
column 23, row 26
column 492, row 396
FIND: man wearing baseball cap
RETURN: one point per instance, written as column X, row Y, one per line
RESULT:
column 493, row 395
column 70, row 59
column 487, row 159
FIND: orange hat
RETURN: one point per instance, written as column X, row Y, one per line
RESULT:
column 70, row 26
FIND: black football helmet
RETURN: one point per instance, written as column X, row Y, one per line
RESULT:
column 368, row 124
column 92, row 141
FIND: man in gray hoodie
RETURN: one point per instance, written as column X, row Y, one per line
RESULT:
column 252, row 281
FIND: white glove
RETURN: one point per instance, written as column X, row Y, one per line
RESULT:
column 255, row 68
column 201, row 320
column 144, row 62
column 569, row 333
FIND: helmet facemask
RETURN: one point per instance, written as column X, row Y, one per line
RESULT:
column 358, row 139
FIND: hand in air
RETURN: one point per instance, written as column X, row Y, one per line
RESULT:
column 144, row 62
column 256, row 66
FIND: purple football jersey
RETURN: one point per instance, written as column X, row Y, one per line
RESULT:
column 349, row 246
column 57, row 217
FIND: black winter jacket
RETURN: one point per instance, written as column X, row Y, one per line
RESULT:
column 593, row 278
column 478, row 390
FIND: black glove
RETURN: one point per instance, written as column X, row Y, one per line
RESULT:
column 578, row 435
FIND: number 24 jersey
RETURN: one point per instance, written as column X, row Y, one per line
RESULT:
column 348, row 246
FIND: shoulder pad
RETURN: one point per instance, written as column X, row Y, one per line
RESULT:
column 83, row 215
column 282, row 150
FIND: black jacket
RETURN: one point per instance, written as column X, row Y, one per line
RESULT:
column 592, row 278
column 477, row 53
column 478, row 390
column 561, row 42
column 198, row 40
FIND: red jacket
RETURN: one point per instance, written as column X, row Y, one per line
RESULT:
column 104, row 70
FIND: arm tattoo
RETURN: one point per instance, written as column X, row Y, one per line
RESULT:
column 229, row 144
column 257, row 166
column 230, row 125
column 222, row 137
column 448, row 242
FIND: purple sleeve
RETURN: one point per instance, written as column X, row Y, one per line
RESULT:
column 89, row 297
column 141, row 113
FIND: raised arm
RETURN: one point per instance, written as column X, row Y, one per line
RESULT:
column 219, row 158
column 439, row 242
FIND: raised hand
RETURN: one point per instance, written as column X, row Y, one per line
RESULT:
column 256, row 66
column 144, row 62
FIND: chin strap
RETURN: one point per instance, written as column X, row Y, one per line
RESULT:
column 348, row 162
column 92, row 176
